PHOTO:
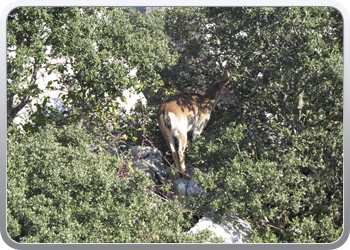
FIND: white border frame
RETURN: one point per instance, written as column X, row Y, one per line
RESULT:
column 6, row 7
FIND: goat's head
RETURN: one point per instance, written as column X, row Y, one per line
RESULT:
column 228, row 93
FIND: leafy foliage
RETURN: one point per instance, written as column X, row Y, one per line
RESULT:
column 275, row 161
column 99, row 48
column 58, row 191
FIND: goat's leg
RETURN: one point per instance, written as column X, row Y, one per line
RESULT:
column 171, row 144
column 170, row 141
column 182, row 146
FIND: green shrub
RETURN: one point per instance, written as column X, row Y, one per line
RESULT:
column 57, row 191
column 269, row 185
column 276, row 160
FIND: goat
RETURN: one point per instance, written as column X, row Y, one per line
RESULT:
column 185, row 112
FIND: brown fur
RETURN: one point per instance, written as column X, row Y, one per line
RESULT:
column 186, row 112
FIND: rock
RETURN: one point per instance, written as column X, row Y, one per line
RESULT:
column 129, row 100
column 149, row 160
column 139, row 152
column 231, row 230
column 184, row 187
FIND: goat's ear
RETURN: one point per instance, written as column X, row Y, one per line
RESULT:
column 227, row 76
column 227, row 73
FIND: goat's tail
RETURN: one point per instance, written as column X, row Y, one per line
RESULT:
column 167, row 121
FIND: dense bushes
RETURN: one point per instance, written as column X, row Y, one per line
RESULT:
column 93, row 51
column 58, row 191
column 275, row 161
column 269, row 188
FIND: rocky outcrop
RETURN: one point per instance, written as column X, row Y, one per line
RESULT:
column 187, row 187
column 149, row 160
column 232, row 229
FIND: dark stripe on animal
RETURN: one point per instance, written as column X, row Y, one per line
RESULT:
column 167, row 121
